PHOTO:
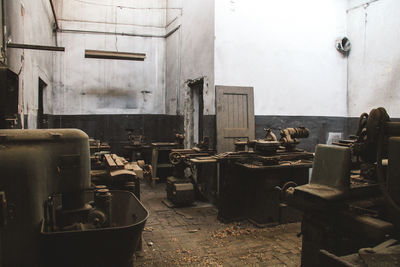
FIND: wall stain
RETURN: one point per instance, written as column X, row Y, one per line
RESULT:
column 108, row 92
column 113, row 97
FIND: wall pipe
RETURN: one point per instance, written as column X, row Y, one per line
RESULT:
column 36, row 47
column 120, row 33
column 54, row 15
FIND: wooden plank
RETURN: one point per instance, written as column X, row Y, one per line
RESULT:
column 235, row 116
column 163, row 144
column 118, row 161
column 235, row 132
column 231, row 110
column 122, row 172
column 243, row 111
column 110, row 161
column 195, row 160
column 138, row 171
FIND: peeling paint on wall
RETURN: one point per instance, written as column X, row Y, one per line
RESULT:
column 191, row 54
column 30, row 22
column 104, row 86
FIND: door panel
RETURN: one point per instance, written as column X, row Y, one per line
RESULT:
column 235, row 116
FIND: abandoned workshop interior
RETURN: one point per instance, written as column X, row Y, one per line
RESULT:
column 199, row 133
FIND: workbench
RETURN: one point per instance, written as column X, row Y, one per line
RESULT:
column 252, row 191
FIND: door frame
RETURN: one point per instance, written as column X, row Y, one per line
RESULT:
column 194, row 112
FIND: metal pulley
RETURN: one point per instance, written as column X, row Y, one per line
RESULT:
column 287, row 190
column 175, row 158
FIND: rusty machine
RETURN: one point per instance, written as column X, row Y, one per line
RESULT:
column 251, row 180
column 352, row 204
column 116, row 173
column 160, row 163
column 137, row 147
column 97, row 146
column 51, row 215
column 184, row 186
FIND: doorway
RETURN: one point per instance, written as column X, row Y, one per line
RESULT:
column 41, row 117
column 9, row 117
column 194, row 112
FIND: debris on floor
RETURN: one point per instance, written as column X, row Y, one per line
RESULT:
column 194, row 237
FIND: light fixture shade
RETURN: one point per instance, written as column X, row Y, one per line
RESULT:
column 114, row 55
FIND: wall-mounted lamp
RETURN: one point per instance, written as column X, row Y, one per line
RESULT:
column 343, row 45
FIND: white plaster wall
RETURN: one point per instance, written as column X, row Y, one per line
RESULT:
column 190, row 52
column 104, row 86
column 285, row 49
column 173, row 71
column 173, row 56
column 198, row 48
column 374, row 61
column 30, row 22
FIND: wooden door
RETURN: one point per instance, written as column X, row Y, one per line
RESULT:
column 235, row 116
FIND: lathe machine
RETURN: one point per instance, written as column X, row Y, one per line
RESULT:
column 352, row 204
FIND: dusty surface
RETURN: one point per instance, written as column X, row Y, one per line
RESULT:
column 194, row 237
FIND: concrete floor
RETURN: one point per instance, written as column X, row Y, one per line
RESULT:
column 194, row 237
